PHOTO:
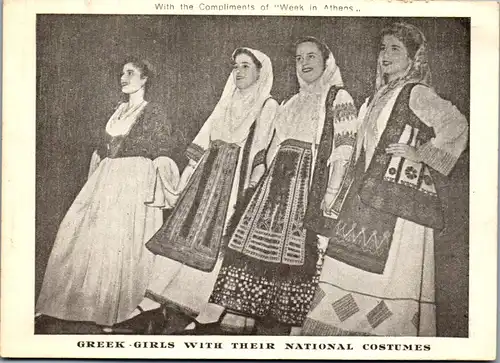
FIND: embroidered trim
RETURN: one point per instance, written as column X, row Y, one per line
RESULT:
column 378, row 314
column 406, row 172
column 195, row 152
column 344, row 112
column 438, row 159
column 348, row 138
column 353, row 235
column 271, row 228
column 398, row 186
column 345, row 307
column 282, row 296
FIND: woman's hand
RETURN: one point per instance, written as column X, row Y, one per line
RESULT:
column 257, row 174
column 405, row 151
column 338, row 167
column 186, row 175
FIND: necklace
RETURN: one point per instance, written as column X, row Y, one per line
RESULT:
column 128, row 111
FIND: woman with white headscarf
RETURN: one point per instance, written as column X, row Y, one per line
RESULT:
column 378, row 272
column 270, row 268
column 227, row 156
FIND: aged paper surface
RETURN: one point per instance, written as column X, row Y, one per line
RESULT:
column 57, row 70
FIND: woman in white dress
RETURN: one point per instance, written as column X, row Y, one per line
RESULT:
column 378, row 271
column 99, row 267
column 226, row 158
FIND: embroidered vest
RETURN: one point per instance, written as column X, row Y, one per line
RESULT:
column 369, row 202
column 399, row 186
column 141, row 140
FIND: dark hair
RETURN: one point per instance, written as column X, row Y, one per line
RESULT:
column 408, row 34
column 325, row 52
column 145, row 68
column 245, row 51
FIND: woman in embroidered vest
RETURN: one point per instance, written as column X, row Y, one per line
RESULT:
column 99, row 267
column 270, row 268
column 226, row 157
column 378, row 272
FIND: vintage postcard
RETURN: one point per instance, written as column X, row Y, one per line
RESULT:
column 220, row 180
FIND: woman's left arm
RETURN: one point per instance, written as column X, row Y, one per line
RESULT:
column 262, row 137
column 450, row 129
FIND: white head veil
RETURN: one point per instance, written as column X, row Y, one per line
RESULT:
column 319, row 88
column 236, row 110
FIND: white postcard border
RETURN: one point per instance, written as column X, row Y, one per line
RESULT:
column 18, row 194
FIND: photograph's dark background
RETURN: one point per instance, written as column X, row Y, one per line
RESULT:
column 79, row 60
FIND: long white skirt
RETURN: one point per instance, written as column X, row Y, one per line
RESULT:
column 399, row 302
column 175, row 283
column 99, row 268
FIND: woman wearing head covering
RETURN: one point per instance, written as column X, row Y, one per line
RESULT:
column 227, row 156
column 270, row 268
column 378, row 272
column 99, row 268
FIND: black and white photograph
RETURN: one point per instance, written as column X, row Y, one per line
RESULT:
column 199, row 176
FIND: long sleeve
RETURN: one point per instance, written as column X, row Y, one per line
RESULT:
column 275, row 135
column 450, row 128
column 345, row 126
column 263, row 132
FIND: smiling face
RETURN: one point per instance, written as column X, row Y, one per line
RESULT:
column 309, row 62
column 131, row 79
column 393, row 57
column 245, row 72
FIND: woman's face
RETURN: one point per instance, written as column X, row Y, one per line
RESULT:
column 245, row 72
column 393, row 57
column 131, row 79
column 309, row 62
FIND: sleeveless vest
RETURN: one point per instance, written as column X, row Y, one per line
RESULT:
column 399, row 186
column 369, row 202
column 314, row 219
